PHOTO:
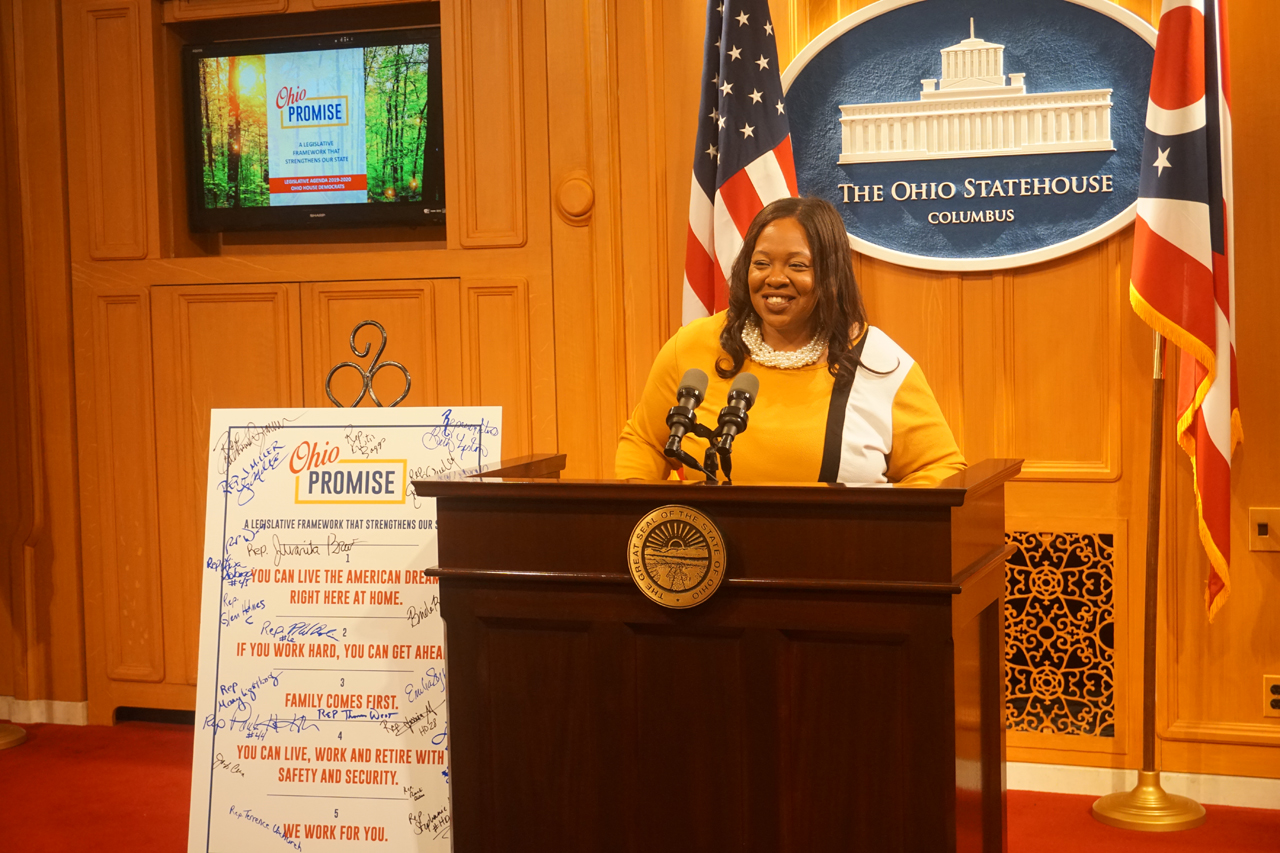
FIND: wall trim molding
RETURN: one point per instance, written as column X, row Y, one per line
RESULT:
column 1242, row 791
column 44, row 711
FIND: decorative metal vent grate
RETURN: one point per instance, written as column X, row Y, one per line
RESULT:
column 1059, row 616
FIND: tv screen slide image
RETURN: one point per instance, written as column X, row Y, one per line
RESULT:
column 322, row 127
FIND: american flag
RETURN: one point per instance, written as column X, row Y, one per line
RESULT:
column 743, row 157
column 1183, row 276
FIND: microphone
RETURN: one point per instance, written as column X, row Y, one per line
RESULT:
column 733, row 417
column 681, row 419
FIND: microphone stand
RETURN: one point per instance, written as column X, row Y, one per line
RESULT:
column 733, row 420
column 726, row 463
column 708, row 466
column 709, row 463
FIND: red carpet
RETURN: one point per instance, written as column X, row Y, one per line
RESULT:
column 1061, row 823
column 110, row 790
column 126, row 788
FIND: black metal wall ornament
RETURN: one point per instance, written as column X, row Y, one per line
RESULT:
column 1059, row 618
column 367, row 375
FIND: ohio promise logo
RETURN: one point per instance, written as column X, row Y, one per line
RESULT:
column 952, row 153
column 321, row 476
column 297, row 110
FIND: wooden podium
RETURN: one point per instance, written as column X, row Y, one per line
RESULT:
column 841, row 691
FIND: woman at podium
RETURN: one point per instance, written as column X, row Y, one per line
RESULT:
column 839, row 401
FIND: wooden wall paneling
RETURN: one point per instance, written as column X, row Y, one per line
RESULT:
column 123, row 604
column 1147, row 10
column 111, row 135
column 681, row 64
column 982, row 360
column 356, row 254
column 485, row 109
column 216, row 346
column 583, row 111
column 342, row 4
column 642, row 190
column 53, row 661
column 451, row 357
column 1063, row 365
column 184, row 11
column 194, row 10
column 528, row 200
column 16, row 510
column 523, row 21
column 782, row 12
column 921, row 311
column 1127, row 496
column 818, row 15
column 406, row 309
column 176, row 238
column 610, row 117
column 543, row 414
column 496, row 343
column 797, row 22
column 1212, row 673
column 1214, row 670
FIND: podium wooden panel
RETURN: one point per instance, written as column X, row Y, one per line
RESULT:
column 842, row 690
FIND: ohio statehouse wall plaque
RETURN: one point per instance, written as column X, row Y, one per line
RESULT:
column 974, row 134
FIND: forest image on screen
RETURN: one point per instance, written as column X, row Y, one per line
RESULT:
column 317, row 127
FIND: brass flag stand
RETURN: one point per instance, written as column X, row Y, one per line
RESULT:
column 1148, row 806
column 11, row 735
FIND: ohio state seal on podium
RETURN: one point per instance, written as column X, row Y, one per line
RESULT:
column 676, row 556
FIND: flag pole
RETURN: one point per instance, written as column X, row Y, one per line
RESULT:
column 1148, row 806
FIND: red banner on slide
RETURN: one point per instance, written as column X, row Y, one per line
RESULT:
column 319, row 183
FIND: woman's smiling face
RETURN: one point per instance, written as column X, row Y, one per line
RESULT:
column 781, row 282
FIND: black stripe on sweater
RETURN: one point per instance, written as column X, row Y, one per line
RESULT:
column 833, row 441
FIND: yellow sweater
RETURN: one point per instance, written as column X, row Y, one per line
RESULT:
column 881, row 428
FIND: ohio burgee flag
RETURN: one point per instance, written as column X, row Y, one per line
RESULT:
column 1183, row 277
column 743, row 157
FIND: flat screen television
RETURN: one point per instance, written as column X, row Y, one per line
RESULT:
column 315, row 131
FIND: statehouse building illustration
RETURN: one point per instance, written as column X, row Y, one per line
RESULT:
column 972, row 111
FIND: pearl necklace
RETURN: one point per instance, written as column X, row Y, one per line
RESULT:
column 762, row 353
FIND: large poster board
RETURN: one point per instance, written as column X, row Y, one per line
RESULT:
column 320, row 709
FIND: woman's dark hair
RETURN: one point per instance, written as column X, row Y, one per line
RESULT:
column 839, row 310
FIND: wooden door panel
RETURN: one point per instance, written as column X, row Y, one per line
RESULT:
column 406, row 310
column 217, row 346
column 121, row 498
